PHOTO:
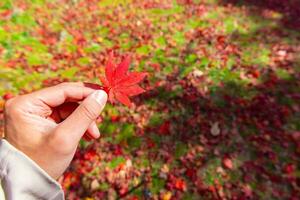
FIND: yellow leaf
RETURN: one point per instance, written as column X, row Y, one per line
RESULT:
column 100, row 39
column 166, row 196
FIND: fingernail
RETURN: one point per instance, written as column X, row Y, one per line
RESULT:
column 100, row 96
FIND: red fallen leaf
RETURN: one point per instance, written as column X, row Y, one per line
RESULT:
column 150, row 143
column 70, row 179
column 221, row 39
column 5, row 13
column 289, row 168
column 114, row 118
column 255, row 74
column 227, row 162
column 212, row 188
column 119, row 84
column 90, row 155
column 134, row 198
column 191, row 173
column 117, row 150
column 120, row 167
column 180, row 184
column 164, row 129
column 155, row 66
column 247, row 190
column 122, row 191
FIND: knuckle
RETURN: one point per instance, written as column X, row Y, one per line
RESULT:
column 9, row 106
column 89, row 111
column 65, row 84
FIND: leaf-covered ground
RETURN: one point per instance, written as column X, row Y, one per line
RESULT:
column 221, row 118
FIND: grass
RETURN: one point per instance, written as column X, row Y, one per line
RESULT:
column 179, row 42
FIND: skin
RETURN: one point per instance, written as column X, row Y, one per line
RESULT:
column 48, row 124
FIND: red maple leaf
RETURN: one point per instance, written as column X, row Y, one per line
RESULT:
column 119, row 83
column 180, row 184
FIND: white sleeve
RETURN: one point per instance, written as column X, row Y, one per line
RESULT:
column 21, row 178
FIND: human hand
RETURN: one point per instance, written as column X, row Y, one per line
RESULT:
column 47, row 124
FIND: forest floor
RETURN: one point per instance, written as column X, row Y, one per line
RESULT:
column 221, row 115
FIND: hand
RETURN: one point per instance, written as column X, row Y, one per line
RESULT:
column 47, row 125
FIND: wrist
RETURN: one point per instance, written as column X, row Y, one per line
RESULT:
column 16, row 167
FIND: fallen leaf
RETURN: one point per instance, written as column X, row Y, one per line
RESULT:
column 166, row 196
column 215, row 129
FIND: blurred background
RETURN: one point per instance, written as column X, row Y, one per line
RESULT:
column 221, row 115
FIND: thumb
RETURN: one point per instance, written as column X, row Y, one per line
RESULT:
column 78, row 122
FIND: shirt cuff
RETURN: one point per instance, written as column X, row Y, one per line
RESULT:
column 22, row 178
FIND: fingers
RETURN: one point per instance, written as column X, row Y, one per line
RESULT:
column 83, row 117
column 93, row 130
column 57, row 95
column 66, row 109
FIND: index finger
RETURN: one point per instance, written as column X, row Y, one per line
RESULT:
column 57, row 95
